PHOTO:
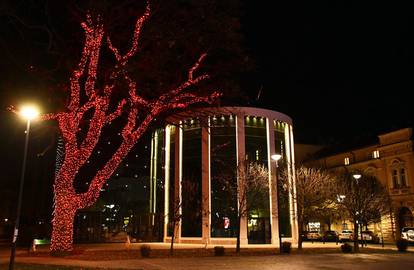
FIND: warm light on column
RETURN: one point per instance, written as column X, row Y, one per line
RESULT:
column 29, row 112
column 276, row 157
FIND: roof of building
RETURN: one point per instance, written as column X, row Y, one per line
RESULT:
column 360, row 142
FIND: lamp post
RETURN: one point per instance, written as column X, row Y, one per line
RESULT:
column 276, row 158
column 357, row 176
column 28, row 113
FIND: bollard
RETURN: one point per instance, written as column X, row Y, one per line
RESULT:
column 33, row 246
column 128, row 241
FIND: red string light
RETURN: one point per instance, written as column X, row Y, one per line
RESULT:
column 66, row 200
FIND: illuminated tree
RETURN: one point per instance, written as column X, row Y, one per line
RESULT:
column 251, row 190
column 311, row 194
column 100, row 105
column 364, row 199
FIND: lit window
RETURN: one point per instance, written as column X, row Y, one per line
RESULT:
column 375, row 154
column 346, row 161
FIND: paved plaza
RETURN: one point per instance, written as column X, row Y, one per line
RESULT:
column 380, row 258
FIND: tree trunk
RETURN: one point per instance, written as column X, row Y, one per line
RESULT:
column 355, row 236
column 238, row 236
column 62, row 233
column 300, row 232
column 172, row 239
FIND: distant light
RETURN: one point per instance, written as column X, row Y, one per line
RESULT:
column 276, row 157
column 356, row 176
column 6, row 219
column 29, row 112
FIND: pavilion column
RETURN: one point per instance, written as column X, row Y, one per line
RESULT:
column 177, row 178
column 205, row 189
column 273, row 198
column 241, row 158
column 292, row 183
column 167, row 180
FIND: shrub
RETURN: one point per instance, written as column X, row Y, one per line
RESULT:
column 286, row 247
column 402, row 245
column 145, row 251
column 219, row 251
column 346, row 248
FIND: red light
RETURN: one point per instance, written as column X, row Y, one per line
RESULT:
column 66, row 200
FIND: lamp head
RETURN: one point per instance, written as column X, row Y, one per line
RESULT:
column 29, row 112
column 356, row 176
column 276, row 157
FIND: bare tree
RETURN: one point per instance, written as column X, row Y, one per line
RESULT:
column 250, row 190
column 190, row 189
column 93, row 106
column 312, row 193
column 364, row 199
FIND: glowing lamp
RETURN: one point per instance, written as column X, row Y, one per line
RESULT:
column 29, row 112
column 356, row 176
column 276, row 157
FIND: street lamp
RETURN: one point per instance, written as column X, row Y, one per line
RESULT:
column 276, row 158
column 357, row 176
column 28, row 113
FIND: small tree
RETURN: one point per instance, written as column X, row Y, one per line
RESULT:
column 311, row 195
column 189, row 188
column 251, row 188
column 364, row 199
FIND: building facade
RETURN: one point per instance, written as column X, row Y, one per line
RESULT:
column 391, row 161
column 206, row 145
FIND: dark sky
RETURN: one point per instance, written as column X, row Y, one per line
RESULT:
column 338, row 68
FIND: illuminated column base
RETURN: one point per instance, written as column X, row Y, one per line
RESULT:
column 205, row 171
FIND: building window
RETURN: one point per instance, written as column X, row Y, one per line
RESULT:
column 403, row 181
column 375, row 154
column 346, row 161
column 399, row 176
column 395, row 179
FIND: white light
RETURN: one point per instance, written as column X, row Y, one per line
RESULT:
column 276, row 157
column 357, row 176
column 29, row 112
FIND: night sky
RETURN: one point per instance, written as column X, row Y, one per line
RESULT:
column 340, row 69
